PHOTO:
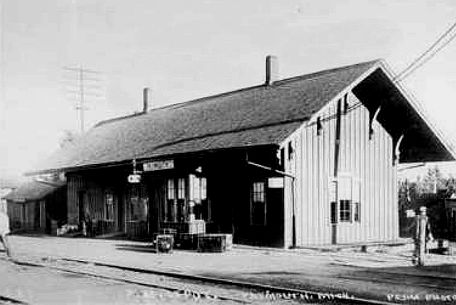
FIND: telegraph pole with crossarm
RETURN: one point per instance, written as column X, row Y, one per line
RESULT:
column 85, row 89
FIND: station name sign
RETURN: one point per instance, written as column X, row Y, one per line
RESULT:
column 158, row 165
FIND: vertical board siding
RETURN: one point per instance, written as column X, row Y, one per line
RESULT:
column 367, row 160
column 75, row 184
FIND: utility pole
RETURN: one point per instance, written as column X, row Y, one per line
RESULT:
column 85, row 90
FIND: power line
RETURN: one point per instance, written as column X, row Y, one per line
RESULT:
column 412, row 67
column 452, row 37
column 415, row 64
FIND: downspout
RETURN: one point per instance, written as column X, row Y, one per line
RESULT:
column 338, row 131
column 293, row 219
column 336, row 162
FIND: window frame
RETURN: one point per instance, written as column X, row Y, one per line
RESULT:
column 108, row 206
column 258, row 197
column 345, row 210
column 198, row 194
column 344, row 199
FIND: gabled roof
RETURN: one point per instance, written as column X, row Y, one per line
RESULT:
column 260, row 115
column 33, row 190
column 256, row 116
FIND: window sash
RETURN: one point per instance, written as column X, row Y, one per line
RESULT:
column 109, row 206
column 181, row 188
column 258, row 204
column 345, row 199
column 345, row 211
column 171, row 189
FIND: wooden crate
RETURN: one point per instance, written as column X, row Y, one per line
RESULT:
column 196, row 227
column 214, row 242
column 164, row 243
column 187, row 241
column 192, row 227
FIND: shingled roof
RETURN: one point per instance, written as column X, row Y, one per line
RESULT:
column 33, row 190
column 260, row 115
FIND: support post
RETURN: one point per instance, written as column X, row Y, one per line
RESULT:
column 420, row 236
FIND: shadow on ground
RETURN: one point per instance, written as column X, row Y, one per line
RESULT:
column 136, row 248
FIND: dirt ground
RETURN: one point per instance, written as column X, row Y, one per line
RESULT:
column 385, row 274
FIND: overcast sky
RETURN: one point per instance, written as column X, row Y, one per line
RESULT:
column 188, row 49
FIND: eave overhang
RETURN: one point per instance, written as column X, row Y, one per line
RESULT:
column 400, row 115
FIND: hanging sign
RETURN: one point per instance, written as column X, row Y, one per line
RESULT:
column 158, row 165
column 134, row 178
column 275, row 183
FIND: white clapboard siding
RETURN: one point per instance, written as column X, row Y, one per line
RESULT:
column 368, row 161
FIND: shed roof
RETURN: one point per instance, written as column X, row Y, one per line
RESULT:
column 33, row 190
column 254, row 116
column 8, row 182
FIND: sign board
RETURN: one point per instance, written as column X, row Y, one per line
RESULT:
column 158, row 165
column 410, row 213
column 275, row 183
column 134, row 178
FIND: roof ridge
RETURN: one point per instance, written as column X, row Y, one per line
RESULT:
column 323, row 72
column 236, row 130
column 275, row 84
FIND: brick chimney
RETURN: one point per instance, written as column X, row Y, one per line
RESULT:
column 145, row 100
column 272, row 69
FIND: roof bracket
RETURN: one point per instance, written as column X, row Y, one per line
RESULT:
column 371, row 122
column 397, row 152
column 319, row 126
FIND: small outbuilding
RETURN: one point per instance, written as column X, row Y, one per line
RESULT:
column 307, row 160
column 37, row 206
column 7, row 185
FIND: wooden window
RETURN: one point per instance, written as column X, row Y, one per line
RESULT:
column 171, row 190
column 203, row 188
column 181, row 207
column 109, row 206
column 195, row 189
column 258, row 204
column 345, row 199
column 181, row 188
column 170, row 210
column 198, row 194
column 345, row 210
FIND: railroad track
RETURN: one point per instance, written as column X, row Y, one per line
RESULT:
column 8, row 300
column 281, row 293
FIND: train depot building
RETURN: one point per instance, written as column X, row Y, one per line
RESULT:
column 308, row 160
